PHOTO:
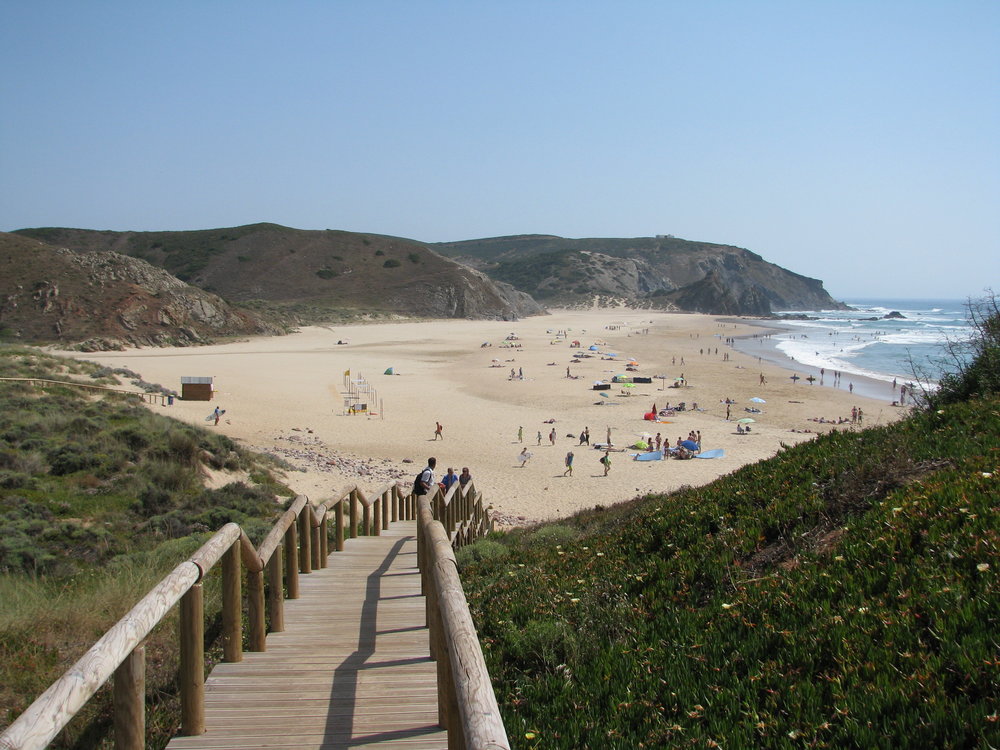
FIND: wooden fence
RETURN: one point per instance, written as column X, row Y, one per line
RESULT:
column 298, row 543
column 150, row 398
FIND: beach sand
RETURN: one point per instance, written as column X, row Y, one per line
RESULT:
column 287, row 394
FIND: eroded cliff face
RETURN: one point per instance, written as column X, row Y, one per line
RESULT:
column 105, row 300
column 473, row 295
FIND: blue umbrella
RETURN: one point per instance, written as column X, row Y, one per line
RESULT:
column 757, row 400
column 691, row 445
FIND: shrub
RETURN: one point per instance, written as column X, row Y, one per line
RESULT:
column 976, row 361
column 484, row 549
column 391, row 263
column 551, row 535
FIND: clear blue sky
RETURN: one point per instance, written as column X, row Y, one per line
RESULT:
column 857, row 142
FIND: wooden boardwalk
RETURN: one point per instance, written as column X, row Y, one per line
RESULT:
column 351, row 668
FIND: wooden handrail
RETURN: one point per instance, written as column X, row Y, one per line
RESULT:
column 467, row 704
column 120, row 650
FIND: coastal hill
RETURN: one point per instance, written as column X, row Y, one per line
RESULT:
column 310, row 275
column 660, row 272
column 105, row 300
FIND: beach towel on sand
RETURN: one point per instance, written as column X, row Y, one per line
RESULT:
column 715, row 453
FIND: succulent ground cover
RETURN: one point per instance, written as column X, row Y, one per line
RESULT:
column 841, row 594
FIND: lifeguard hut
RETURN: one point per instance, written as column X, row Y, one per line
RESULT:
column 197, row 387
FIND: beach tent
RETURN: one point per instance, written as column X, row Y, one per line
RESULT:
column 389, row 371
column 592, row 347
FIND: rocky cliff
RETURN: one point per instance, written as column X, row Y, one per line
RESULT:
column 105, row 300
column 664, row 272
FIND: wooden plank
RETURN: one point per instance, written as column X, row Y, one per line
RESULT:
column 351, row 667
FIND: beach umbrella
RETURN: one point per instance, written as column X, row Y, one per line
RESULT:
column 757, row 400
column 746, row 420
column 603, row 395
column 592, row 347
column 691, row 445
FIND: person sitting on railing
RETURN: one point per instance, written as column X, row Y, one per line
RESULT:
column 465, row 477
column 448, row 479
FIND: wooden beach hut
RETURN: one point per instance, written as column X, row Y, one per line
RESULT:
column 197, row 387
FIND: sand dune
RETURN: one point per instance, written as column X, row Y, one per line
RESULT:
column 287, row 395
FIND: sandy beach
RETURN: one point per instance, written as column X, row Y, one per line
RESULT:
column 287, row 395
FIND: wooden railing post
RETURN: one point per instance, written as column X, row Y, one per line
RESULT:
column 354, row 514
column 386, row 504
column 366, row 519
column 257, row 640
column 393, row 497
column 305, row 541
column 377, row 513
column 292, row 561
column 324, row 540
column 275, row 593
column 192, row 658
column 339, row 520
column 232, row 606
column 130, row 701
column 317, row 545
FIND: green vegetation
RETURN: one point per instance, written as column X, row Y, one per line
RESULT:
column 391, row 263
column 327, row 273
column 413, row 257
column 99, row 498
column 842, row 594
column 975, row 363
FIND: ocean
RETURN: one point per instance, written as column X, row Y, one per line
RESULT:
column 850, row 341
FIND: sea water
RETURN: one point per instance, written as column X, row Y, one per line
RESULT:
column 863, row 342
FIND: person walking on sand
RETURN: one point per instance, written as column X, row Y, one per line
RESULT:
column 609, row 436
column 539, row 437
column 437, row 431
column 606, row 461
column 552, row 436
column 520, row 434
column 217, row 414
column 523, row 457
column 569, row 464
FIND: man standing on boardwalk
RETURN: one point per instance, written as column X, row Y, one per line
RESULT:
column 425, row 480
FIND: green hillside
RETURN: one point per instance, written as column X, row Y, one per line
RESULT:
column 100, row 498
